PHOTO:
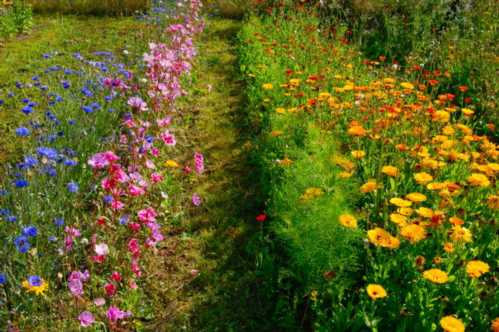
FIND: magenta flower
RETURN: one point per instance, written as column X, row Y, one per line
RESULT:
column 168, row 138
column 102, row 159
column 196, row 200
column 147, row 215
column 114, row 314
column 199, row 162
column 86, row 319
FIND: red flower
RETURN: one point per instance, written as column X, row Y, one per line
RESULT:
column 261, row 217
column 110, row 289
column 116, row 276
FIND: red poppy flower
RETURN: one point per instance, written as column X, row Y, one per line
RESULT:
column 261, row 217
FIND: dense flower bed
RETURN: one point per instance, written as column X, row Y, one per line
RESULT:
column 80, row 212
column 380, row 191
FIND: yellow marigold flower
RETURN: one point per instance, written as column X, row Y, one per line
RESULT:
column 324, row 96
column 171, row 163
column 348, row 220
column 493, row 202
column 294, row 82
column 423, row 177
column 430, row 163
column 467, row 111
column 346, row 164
column 345, row 175
column 38, row 290
column 376, row 291
column 369, row 186
column 400, row 202
column 398, row 219
column 425, row 212
column 436, row 276
column 448, row 130
column 442, row 116
column 390, row 170
column 436, row 186
column 476, row 268
column 267, row 86
column 416, row 197
column 494, row 326
column 405, row 211
column 381, row 238
column 461, row 234
column 280, row 110
column 478, row 180
column 357, row 130
column 452, row 324
column 407, row 85
column 358, row 154
column 448, row 247
column 413, row 233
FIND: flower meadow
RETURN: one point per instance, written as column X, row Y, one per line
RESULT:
column 381, row 198
column 81, row 216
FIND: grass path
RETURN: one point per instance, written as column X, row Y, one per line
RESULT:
column 213, row 239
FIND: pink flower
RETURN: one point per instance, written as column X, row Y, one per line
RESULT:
column 196, row 200
column 156, row 177
column 86, row 319
column 102, row 159
column 164, row 122
column 101, row 249
column 199, row 162
column 100, row 301
column 168, row 138
column 138, row 104
column 114, row 314
column 116, row 276
column 147, row 215
column 135, row 190
column 134, row 247
column 75, row 287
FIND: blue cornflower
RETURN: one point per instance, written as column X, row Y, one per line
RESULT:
column 87, row 109
column 124, row 219
column 66, row 84
column 44, row 88
column 52, row 238
column 111, row 110
column 30, row 161
column 27, row 110
column 46, row 55
column 22, row 244
column 72, row 187
column 21, row 183
column 70, row 162
column 4, row 212
column 35, row 78
column 11, row 218
column 34, row 281
column 108, row 98
column 3, row 278
column 47, row 152
column 32, row 104
column 96, row 106
column 108, row 199
column 22, row 132
column 3, row 192
column 50, row 171
column 30, row 231
column 87, row 92
column 59, row 222
column 1, row 102
column 19, row 85
column 25, row 100
column 11, row 94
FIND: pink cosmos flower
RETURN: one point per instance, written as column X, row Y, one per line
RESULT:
column 196, row 200
column 168, row 138
column 101, row 249
column 147, row 215
column 199, row 162
column 114, row 314
column 86, row 319
column 102, row 159
column 138, row 104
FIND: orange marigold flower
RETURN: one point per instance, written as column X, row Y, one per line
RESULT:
column 493, row 202
column 495, row 325
column 348, row 220
column 400, row 202
column 436, row 276
column 358, row 154
column 369, row 186
column 376, row 291
column 476, row 268
column 414, row 233
column 461, row 234
column 448, row 247
column 478, row 180
column 398, row 219
column 390, row 170
column 357, row 130
column 416, row 197
column 381, row 238
column 423, row 177
column 452, row 324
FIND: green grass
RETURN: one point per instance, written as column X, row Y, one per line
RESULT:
column 90, row 7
